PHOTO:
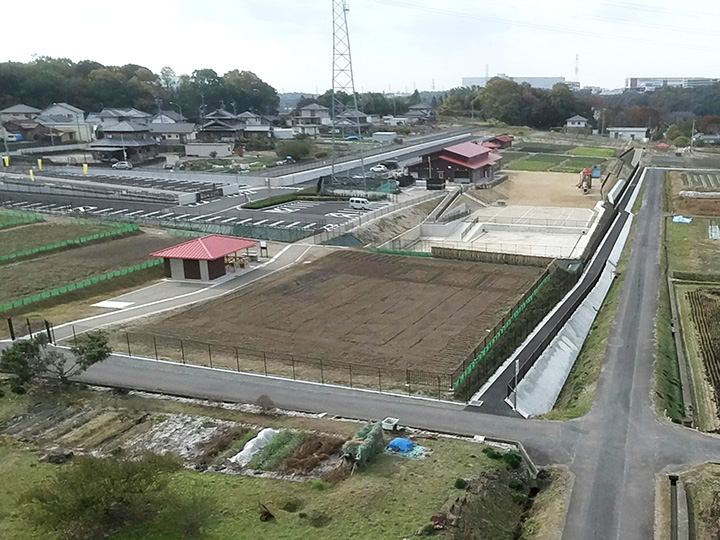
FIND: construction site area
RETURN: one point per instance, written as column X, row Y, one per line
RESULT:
column 545, row 214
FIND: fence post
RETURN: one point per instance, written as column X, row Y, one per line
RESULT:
column 182, row 351
column 350, row 367
column 237, row 358
column 293, row 365
column 10, row 327
column 322, row 373
column 127, row 338
column 438, row 382
column 47, row 329
column 265, row 362
column 155, row 347
column 27, row 320
column 379, row 381
column 210, row 354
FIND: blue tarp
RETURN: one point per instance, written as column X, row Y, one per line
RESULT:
column 401, row 445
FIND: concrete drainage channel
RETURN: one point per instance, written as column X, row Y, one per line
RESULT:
column 679, row 523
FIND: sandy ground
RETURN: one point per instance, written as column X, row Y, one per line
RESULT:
column 547, row 189
column 368, row 309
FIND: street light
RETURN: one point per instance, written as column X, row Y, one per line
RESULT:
column 179, row 109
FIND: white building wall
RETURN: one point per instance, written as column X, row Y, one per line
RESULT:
column 204, row 271
column 177, row 270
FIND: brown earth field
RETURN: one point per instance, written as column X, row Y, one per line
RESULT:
column 371, row 309
column 31, row 276
column 687, row 205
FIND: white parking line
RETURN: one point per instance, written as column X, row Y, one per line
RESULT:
column 117, row 212
column 228, row 220
column 212, row 219
column 244, row 221
column 293, row 225
column 136, row 212
column 196, row 218
column 309, row 225
column 163, row 216
column 276, row 223
column 151, row 214
column 261, row 222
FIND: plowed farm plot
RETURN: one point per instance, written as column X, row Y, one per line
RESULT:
column 375, row 310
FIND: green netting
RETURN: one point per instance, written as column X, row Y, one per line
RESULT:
column 500, row 332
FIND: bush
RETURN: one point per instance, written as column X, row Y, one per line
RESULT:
column 297, row 148
column 292, row 505
column 460, row 483
column 681, row 141
column 490, row 452
column 516, row 485
column 99, row 498
column 319, row 485
column 512, row 460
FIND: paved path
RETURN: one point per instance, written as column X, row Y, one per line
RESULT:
column 614, row 451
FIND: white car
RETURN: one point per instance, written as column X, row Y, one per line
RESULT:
column 379, row 168
column 122, row 165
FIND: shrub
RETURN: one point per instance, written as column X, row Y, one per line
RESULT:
column 512, row 460
column 460, row 483
column 292, row 505
column 516, row 485
column 319, row 485
column 490, row 452
column 318, row 518
column 265, row 403
column 298, row 148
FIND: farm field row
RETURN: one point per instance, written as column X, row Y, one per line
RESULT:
column 33, row 276
column 45, row 233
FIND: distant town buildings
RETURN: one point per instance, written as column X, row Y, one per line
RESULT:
column 545, row 83
column 650, row 84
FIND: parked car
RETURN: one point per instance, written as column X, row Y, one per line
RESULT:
column 359, row 203
column 122, row 165
column 379, row 168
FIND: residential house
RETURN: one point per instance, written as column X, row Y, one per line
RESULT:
column 639, row 134
column 420, row 113
column 172, row 135
column 67, row 119
column 168, row 117
column 250, row 119
column 500, row 142
column 578, row 124
column 32, row 130
column 125, row 141
column 19, row 112
column 221, row 126
column 352, row 121
column 311, row 118
column 466, row 162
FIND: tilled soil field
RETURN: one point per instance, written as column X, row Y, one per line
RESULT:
column 369, row 309
column 33, row 276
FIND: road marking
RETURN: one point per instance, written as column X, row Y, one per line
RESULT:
column 228, row 220
column 134, row 213
column 244, row 221
column 117, row 212
column 293, row 225
column 276, row 223
column 165, row 215
column 196, row 218
column 309, row 225
column 212, row 219
column 261, row 222
column 151, row 213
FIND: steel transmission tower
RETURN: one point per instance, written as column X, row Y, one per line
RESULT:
column 342, row 81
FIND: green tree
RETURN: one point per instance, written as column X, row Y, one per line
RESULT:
column 98, row 498
column 681, row 141
column 23, row 359
column 673, row 132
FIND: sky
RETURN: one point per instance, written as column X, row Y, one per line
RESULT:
column 397, row 45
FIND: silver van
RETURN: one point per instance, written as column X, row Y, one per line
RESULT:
column 358, row 203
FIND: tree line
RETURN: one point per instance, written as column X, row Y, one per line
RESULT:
column 93, row 86
column 521, row 105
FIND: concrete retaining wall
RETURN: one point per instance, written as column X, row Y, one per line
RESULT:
column 490, row 257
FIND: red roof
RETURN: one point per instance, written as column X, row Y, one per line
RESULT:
column 504, row 138
column 467, row 150
column 492, row 145
column 490, row 159
column 207, row 248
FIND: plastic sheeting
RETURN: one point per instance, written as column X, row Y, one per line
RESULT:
column 682, row 219
column 401, row 445
column 253, row 446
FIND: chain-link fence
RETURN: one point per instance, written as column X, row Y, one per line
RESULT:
column 278, row 364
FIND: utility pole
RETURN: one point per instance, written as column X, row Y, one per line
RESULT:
column 692, row 135
column 122, row 141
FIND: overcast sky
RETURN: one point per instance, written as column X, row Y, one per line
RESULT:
column 396, row 44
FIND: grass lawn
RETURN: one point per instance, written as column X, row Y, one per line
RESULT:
column 535, row 163
column 543, row 148
column 590, row 151
column 511, row 155
column 702, row 485
column 690, row 249
column 42, row 234
column 577, row 164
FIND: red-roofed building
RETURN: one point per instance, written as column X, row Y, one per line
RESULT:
column 466, row 162
column 205, row 258
column 501, row 141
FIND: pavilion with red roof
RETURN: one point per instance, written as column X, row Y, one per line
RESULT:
column 206, row 258
column 466, row 162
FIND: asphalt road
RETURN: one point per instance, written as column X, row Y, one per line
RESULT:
column 614, row 451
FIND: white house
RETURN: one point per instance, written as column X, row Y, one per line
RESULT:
column 19, row 112
column 639, row 134
column 64, row 109
column 577, row 124
column 310, row 118
column 68, row 120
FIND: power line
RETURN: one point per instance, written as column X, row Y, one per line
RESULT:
column 549, row 28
